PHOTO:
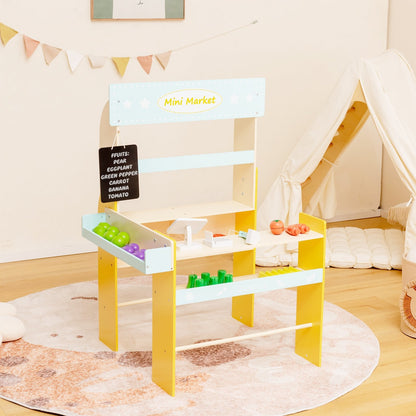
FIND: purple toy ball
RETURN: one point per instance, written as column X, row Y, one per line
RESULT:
column 129, row 248
column 139, row 254
column 134, row 246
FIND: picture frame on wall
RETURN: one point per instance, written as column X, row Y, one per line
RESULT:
column 137, row 9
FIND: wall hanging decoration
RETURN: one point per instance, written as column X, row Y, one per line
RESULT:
column 50, row 52
column 137, row 9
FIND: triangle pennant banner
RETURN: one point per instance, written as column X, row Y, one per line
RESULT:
column 163, row 58
column 145, row 62
column 6, row 33
column 74, row 59
column 30, row 45
column 121, row 64
column 50, row 53
column 96, row 61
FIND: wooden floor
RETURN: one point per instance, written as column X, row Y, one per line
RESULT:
column 371, row 295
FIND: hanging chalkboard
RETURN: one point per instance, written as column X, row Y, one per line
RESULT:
column 119, row 174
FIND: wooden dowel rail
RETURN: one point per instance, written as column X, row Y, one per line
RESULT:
column 241, row 337
column 135, row 302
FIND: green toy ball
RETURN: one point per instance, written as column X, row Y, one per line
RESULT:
column 109, row 235
column 106, row 225
column 113, row 229
column 100, row 230
column 121, row 239
column 125, row 236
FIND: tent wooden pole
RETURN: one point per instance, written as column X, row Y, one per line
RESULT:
column 354, row 119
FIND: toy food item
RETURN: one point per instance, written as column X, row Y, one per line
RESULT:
column 129, row 248
column 113, row 229
column 191, row 281
column 228, row 278
column 277, row 227
column 109, row 235
column 121, row 239
column 293, row 229
column 101, row 228
column 140, row 253
column 296, row 229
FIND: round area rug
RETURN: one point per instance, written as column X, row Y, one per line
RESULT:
column 61, row 367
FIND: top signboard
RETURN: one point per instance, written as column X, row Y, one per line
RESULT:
column 165, row 102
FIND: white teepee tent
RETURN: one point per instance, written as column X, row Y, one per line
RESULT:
column 385, row 88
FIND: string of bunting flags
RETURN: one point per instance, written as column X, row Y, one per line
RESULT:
column 75, row 58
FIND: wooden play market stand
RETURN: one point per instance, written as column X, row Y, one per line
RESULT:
column 243, row 101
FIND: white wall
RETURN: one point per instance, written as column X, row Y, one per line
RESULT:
column 49, row 117
column 401, row 35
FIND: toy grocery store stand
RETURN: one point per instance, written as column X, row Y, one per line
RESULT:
column 243, row 101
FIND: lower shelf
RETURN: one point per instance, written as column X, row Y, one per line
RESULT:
column 249, row 286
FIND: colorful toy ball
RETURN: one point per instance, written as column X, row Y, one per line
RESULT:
column 121, row 239
column 277, row 227
column 134, row 246
column 129, row 248
column 101, row 228
column 139, row 253
column 113, row 229
column 109, row 234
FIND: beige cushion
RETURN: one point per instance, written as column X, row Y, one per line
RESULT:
column 11, row 328
column 7, row 309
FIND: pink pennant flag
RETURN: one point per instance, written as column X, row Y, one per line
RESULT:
column 163, row 58
column 30, row 45
column 74, row 59
column 145, row 62
column 50, row 53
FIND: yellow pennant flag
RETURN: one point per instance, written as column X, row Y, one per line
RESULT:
column 163, row 58
column 121, row 64
column 6, row 33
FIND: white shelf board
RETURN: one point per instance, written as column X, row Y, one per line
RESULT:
column 206, row 209
column 239, row 244
column 248, row 286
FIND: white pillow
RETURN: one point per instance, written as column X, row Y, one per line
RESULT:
column 11, row 328
column 7, row 309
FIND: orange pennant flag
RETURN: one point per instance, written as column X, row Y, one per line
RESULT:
column 121, row 64
column 50, row 53
column 163, row 58
column 30, row 45
column 145, row 62
column 6, row 33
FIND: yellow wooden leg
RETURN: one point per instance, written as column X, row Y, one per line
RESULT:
column 164, row 330
column 243, row 306
column 244, row 263
column 310, row 298
column 107, row 299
